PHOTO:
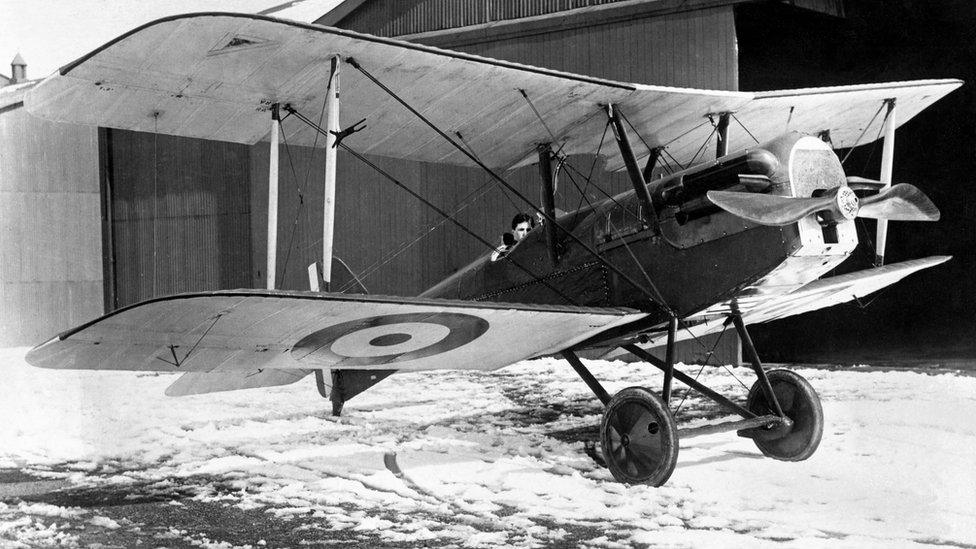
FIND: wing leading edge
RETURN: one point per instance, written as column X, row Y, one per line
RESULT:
column 215, row 75
column 249, row 332
column 819, row 294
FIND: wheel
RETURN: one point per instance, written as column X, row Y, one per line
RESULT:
column 639, row 437
column 801, row 404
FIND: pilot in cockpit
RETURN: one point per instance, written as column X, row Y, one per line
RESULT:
column 522, row 225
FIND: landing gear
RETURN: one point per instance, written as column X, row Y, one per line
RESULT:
column 639, row 437
column 801, row 404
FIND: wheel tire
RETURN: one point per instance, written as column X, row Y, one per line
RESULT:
column 801, row 404
column 639, row 437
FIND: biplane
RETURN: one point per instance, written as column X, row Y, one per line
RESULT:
column 739, row 239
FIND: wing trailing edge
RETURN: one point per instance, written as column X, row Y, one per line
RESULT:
column 249, row 332
column 199, row 383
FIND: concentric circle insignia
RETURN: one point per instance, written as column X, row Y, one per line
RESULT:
column 386, row 339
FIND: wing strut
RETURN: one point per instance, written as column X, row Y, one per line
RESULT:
column 887, row 161
column 273, row 199
column 722, row 143
column 548, row 200
column 328, row 207
column 636, row 177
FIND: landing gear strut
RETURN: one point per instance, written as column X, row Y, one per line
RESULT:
column 639, row 435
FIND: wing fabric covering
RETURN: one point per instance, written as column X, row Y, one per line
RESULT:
column 214, row 76
column 819, row 294
column 198, row 383
column 251, row 334
column 774, row 304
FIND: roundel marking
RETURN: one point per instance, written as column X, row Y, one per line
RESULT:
column 387, row 339
column 390, row 339
column 413, row 336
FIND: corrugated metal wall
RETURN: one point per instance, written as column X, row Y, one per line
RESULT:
column 413, row 16
column 180, row 213
column 50, row 238
column 692, row 48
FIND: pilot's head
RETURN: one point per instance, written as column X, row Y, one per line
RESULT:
column 521, row 225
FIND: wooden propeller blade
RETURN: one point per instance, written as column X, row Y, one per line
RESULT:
column 902, row 202
column 767, row 209
column 864, row 184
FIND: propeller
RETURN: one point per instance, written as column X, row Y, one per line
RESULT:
column 864, row 184
column 901, row 202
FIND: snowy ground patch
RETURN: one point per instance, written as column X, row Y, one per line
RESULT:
column 487, row 459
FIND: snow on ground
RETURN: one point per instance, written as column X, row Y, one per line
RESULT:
column 489, row 459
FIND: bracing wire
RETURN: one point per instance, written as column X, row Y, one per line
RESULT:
column 743, row 126
column 471, row 151
column 301, row 205
column 460, row 225
column 471, row 198
column 589, row 176
column 549, row 219
column 433, row 206
column 703, row 145
column 859, row 137
column 570, row 167
column 537, row 115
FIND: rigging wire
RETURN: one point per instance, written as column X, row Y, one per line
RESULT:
column 589, row 176
column 654, row 299
column 703, row 145
column 537, row 115
column 298, row 212
column 622, row 239
column 471, row 198
column 874, row 144
column 431, row 205
column 460, row 225
column 475, row 155
column 673, row 159
column 351, row 272
column 708, row 358
column 743, row 126
column 858, row 140
column 311, row 161
column 597, row 187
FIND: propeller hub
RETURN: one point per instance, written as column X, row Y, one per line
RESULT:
column 847, row 203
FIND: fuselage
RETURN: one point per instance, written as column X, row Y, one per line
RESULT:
column 702, row 256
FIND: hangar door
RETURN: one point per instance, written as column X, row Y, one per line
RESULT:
column 175, row 215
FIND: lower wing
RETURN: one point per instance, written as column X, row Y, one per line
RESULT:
column 819, row 294
column 247, row 334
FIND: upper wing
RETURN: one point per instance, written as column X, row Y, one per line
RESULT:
column 854, row 115
column 214, row 76
column 251, row 331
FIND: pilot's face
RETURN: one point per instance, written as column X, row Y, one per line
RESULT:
column 521, row 230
